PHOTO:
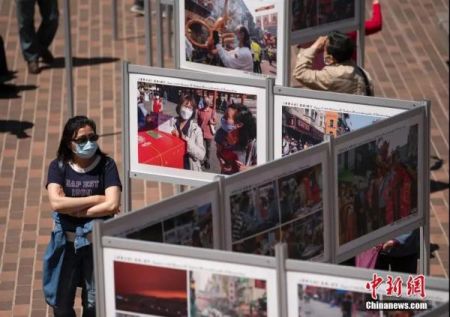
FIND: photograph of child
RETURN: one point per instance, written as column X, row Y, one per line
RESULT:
column 196, row 129
column 235, row 34
column 304, row 127
column 377, row 183
column 310, row 13
column 222, row 295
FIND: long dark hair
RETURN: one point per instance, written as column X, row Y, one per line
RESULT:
column 248, row 130
column 71, row 128
column 243, row 30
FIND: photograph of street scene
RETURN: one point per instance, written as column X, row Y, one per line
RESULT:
column 377, row 183
column 196, row 129
column 291, row 211
column 235, row 34
column 230, row 296
column 150, row 290
column 321, row 301
column 310, row 13
column 303, row 127
column 191, row 228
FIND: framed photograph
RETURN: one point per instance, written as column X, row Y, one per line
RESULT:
column 302, row 122
column 154, row 284
column 189, row 219
column 379, row 179
column 311, row 294
column 234, row 37
column 191, row 131
column 283, row 201
column 310, row 18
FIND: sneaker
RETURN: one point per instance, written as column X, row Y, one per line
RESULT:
column 47, row 57
column 164, row 13
column 137, row 9
column 33, row 67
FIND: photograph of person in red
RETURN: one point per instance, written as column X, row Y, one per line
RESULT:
column 152, row 290
column 200, row 130
column 377, row 183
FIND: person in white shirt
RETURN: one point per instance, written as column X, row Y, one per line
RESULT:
column 241, row 57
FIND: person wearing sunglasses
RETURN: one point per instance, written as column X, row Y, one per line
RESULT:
column 83, row 185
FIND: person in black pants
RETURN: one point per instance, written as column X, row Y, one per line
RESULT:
column 34, row 43
column 5, row 74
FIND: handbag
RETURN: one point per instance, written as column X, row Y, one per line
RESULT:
column 368, row 258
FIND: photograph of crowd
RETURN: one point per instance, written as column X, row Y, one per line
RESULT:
column 151, row 290
column 222, row 295
column 235, row 34
column 304, row 237
column 321, row 301
column 191, row 228
column 267, row 213
column 310, row 13
column 304, row 127
column 377, row 183
column 196, row 129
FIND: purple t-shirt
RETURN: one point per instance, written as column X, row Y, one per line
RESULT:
column 78, row 184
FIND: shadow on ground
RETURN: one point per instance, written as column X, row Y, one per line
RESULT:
column 16, row 128
column 11, row 91
column 80, row 61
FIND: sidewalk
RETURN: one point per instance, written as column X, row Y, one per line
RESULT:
column 408, row 60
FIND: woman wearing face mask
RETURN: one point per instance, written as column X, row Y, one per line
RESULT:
column 241, row 57
column 236, row 140
column 188, row 130
column 83, row 185
column 340, row 74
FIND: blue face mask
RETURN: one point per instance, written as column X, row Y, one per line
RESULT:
column 86, row 150
column 226, row 126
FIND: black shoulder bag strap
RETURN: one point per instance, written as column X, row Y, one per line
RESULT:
column 369, row 91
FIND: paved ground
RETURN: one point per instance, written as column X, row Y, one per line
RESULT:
column 408, row 60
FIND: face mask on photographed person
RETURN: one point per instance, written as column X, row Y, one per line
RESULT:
column 186, row 113
column 86, row 150
column 227, row 127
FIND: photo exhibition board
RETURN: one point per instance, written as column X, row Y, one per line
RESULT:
column 153, row 284
column 312, row 294
column 189, row 219
column 257, row 54
column 312, row 18
column 282, row 201
column 379, row 180
column 301, row 122
column 161, row 146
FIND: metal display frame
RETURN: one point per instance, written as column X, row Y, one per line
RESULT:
column 209, row 69
column 272, row 172
column 170, row 208
column 165, row 174
column 102, row 243
column 332, row 98
column 420, row 219
column 330, row 271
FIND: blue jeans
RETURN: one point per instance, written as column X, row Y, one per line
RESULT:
column 77, row 270
column 32, row 42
